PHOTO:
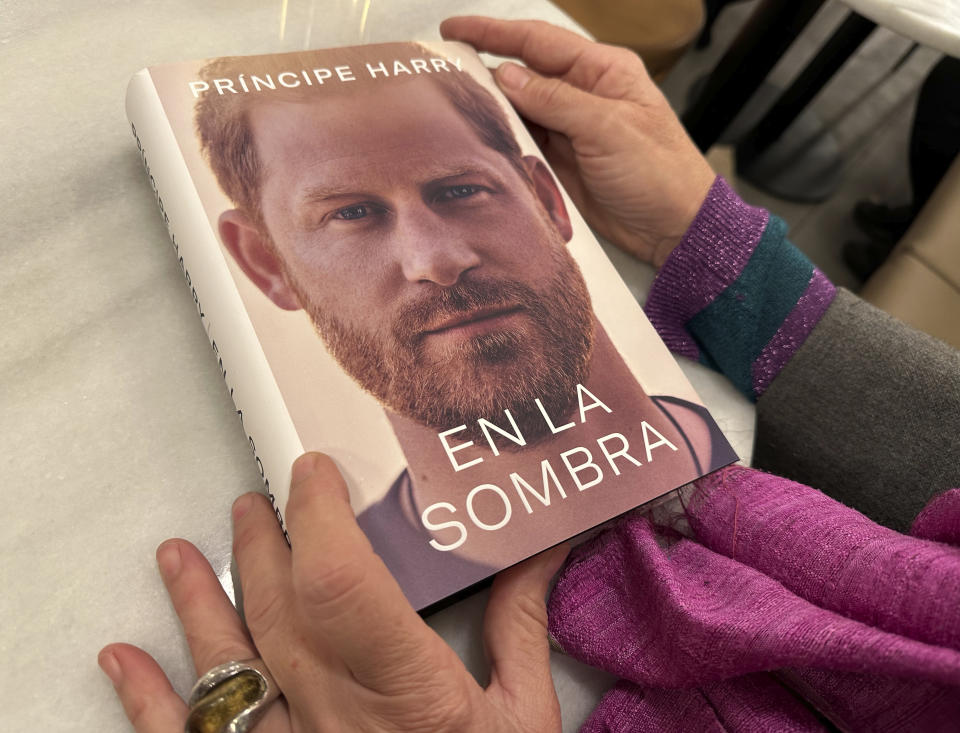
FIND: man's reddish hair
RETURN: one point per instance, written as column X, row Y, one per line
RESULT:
column 226, row 138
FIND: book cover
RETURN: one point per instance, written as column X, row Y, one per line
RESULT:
column 390, row 273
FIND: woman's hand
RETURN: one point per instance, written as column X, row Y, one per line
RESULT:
column 611, row 136
column 344, row 646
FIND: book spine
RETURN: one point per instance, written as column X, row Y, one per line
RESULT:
column 243, row 365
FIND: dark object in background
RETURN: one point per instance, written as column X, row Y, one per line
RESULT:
column 884, row 225
column 881, row 222
column 935, row 140
column 934, row 144
column 713, row 8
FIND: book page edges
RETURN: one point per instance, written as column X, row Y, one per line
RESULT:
column 266, row 422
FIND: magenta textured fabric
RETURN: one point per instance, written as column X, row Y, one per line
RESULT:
column 832, row 555
column 940, row 519
column 862, row 623
column 754, row 703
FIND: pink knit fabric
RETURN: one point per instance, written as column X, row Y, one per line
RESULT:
column 832, row 555
column 940, row 519
column 754, row 703
column 863, row 622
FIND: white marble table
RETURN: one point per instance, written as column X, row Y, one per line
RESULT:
column 933, row 23
column 116, row 427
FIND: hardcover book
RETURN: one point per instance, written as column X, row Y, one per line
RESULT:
column 388, row 272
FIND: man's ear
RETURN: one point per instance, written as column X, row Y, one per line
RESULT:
column 547, row 191
column 256, row 258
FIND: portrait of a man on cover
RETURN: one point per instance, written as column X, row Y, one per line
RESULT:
column 393, row 204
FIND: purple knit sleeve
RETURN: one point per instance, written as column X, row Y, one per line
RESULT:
column 753, row 297
column 709, row 258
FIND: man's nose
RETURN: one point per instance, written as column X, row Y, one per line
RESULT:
column 433, row 248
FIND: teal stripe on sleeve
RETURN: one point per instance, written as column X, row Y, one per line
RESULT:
column 745, row 316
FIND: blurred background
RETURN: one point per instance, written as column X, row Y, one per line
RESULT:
column 840, row 117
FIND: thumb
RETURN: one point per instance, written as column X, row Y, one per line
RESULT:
column 515, row 627
column 550, row 102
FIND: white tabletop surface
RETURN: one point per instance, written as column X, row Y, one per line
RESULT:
column 117, row 430
column 933, row 23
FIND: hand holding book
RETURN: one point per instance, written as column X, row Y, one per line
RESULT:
column 344, row 646
column 356, row 222
column 611, row 136
column 335, row 629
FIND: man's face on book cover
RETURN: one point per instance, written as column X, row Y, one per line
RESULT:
column 435, row 271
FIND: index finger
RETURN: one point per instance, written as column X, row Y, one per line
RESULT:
column 210, row 622
column 550, row 50
column 344, row 587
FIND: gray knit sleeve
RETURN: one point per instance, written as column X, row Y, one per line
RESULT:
column 868, row 411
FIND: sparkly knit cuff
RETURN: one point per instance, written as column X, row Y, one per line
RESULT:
column 794, row 330
column 736, row 295
column 709, row 258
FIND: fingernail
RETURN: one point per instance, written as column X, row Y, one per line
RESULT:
column 110, row 666
column 303, row 467
column 512, row 75
column 169, row 559
column 241, row 506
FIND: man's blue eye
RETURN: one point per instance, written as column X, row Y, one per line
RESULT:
column 352, row 212
column 459, row 192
